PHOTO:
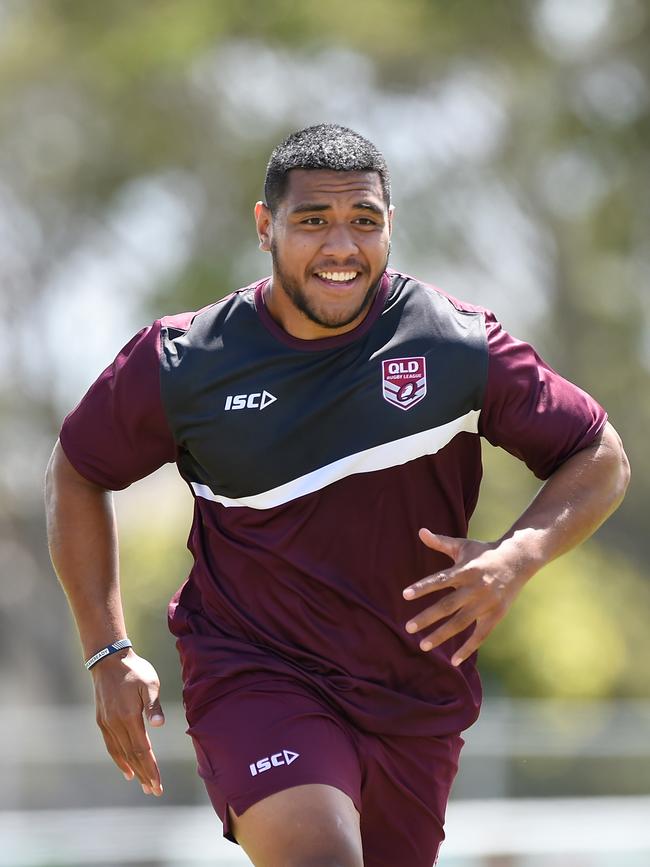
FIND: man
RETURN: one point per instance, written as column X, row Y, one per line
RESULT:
column 321, row 418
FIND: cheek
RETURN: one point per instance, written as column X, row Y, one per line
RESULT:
column 297, row 252
column 378, row 251
column 305, row 256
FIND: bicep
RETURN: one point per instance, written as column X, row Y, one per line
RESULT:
column 530, row 410
column 118, row 433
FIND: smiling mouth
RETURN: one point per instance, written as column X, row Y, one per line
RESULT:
column 337, row 277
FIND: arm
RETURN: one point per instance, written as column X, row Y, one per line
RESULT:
column 486, row 577
column 83, row 545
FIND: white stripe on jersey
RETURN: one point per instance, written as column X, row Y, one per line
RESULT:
column 381, row 457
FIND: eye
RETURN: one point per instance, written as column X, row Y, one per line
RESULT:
column 368, row 223
column 313, row 221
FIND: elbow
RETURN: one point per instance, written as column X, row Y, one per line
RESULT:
column 50, row 475
column 621, row 470
column 625, row 474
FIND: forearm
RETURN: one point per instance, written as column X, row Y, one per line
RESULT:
column 487, row 576
column 571, row 505
column 82, row 537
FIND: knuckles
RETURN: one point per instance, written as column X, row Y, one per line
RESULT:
column 430, row 583
column 136, row 753
column 112, row 718
column 449, row 604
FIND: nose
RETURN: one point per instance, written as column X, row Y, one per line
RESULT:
column 339, row 242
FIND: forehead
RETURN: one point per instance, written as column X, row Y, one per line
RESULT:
column 326, row 187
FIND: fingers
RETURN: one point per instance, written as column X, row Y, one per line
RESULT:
column 115, row 752
column 448, row 605
column 130, row 748
column 136, row 752
column 471, row 645
column 152, row 707
column 457, row 611
column 481, row 586
column 123, row 692
column 139, row 755
column 428, row 585
column 456, row 624
column 448, row 545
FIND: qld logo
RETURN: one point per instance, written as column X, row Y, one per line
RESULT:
column 404, row 381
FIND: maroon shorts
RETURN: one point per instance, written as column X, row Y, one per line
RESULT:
column 271, row 736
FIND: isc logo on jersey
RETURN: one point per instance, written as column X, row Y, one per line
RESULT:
column 256, row 400
column 404, row 381
column 274, row 761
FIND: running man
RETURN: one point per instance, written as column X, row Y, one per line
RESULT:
column 327, row 421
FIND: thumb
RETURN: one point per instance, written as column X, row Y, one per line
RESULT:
column 153, row 709
column 445, row 544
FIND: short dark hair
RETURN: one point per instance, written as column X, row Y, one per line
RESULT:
column 323, row 146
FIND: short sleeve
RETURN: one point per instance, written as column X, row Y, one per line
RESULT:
column 530, row 410
column 118, row 433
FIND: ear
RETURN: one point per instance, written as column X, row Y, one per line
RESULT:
column 391, row 211
column 264, row 224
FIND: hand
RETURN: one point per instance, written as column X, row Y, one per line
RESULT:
column 125, row 686
column 484, row 581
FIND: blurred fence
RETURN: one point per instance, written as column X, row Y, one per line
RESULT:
column 567, row 832
column 542, row 784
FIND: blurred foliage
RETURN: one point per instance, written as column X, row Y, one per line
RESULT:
column 133, row 139
column 573, row 632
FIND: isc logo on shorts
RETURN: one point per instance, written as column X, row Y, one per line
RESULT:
column 274, row 761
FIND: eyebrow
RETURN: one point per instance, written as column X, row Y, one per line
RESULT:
column 306, row 207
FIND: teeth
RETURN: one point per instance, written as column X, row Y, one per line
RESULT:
column 338, row 276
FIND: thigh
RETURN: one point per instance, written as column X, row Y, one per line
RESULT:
column 312, row 824
column 404, row 796
column 267, row 739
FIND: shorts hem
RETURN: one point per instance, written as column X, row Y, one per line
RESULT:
column 240, row 804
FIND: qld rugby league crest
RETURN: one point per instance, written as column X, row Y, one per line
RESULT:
column 404, row 381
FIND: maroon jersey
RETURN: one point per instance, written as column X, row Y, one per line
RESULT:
column 313, row 464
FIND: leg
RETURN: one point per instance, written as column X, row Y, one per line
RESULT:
column 406, row 785
column 283, row 774
column 305, row 826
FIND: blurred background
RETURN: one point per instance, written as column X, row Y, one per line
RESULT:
column 133, row 142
